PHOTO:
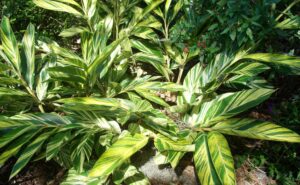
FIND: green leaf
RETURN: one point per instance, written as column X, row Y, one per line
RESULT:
column 152, row 55
column 89, row 8
column 173, row 150
column 128, row 174
column 69, row 57
column 10, row 45
column 75, row 178
column 95, row 66
column 167, row 6
column 279, row 59
column 9, row 92
column 28, row 153
column 16, row 145
column 117, row 154
column 169, row 157
column 203, row 161
column 4, row 81
column 228, row 105
column 177, row 8
column 3, row 67
column 42, row 83
column 151, row 6
column 159, row 122
column 89, row 103
column 249, row 68
column 243, row 81
column 163, row 143
column 82, row 151
column 28, row 55
column 289, row 23
column 56, row 142
column 70, row 32
column 221, row 157
column 191, row 83
column 67, row 73
column 58, row 6
column 152, row 97
column 12, row 134
column 256, row 129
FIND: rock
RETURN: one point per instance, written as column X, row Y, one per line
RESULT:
column 184, row 174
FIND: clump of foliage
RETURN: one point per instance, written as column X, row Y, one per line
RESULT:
column 91, row 109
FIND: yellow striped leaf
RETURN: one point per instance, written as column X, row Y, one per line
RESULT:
column 28, row 55
column 58, row 6
column 221, row 157
column 10, row 45
column 290, row 62
column 28, row 153
column 14, row 147
column 228, row 105
column 203, row 161
column 117, row 154
column 256, row 129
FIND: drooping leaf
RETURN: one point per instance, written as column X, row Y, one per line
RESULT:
column 228, row 105
column 56, row 143
column 256, row 129
column 16, row 145
column 58, row 5
column 289, row 23
column 221, row 157
column 117, row 154
column 82, row 151
column 249, row 68
column 203, row 161
column 12, row 134
column 70, row 32
column 75, row 178
column 291, row 62
column 67, row 73
column 28, row 153
column 130, row 175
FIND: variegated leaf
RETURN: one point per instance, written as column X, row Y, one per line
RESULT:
column 28, row 55
column 256, row 129
column 10, row 46
column 290, row 62
column 117, row 154
column 59, row 5
column 228, row 105
column 221, row 157
column 28, row 153
column 203, row 162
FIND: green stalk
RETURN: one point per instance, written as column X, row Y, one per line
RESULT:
column 287, row 9
column 31, row 92
column 181, row 68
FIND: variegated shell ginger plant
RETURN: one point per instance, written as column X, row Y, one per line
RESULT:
column 207, row 113
column 86, row 111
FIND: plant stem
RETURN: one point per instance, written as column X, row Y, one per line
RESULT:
column 287, row 9
column 116, row 19
column 30, row 91
column 181, row 68
column 166, row 30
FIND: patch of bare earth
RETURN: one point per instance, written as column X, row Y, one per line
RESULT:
column 249, row 175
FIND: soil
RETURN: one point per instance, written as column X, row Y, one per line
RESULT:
column 36, row 173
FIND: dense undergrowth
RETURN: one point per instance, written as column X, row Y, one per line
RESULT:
column 87, row 84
